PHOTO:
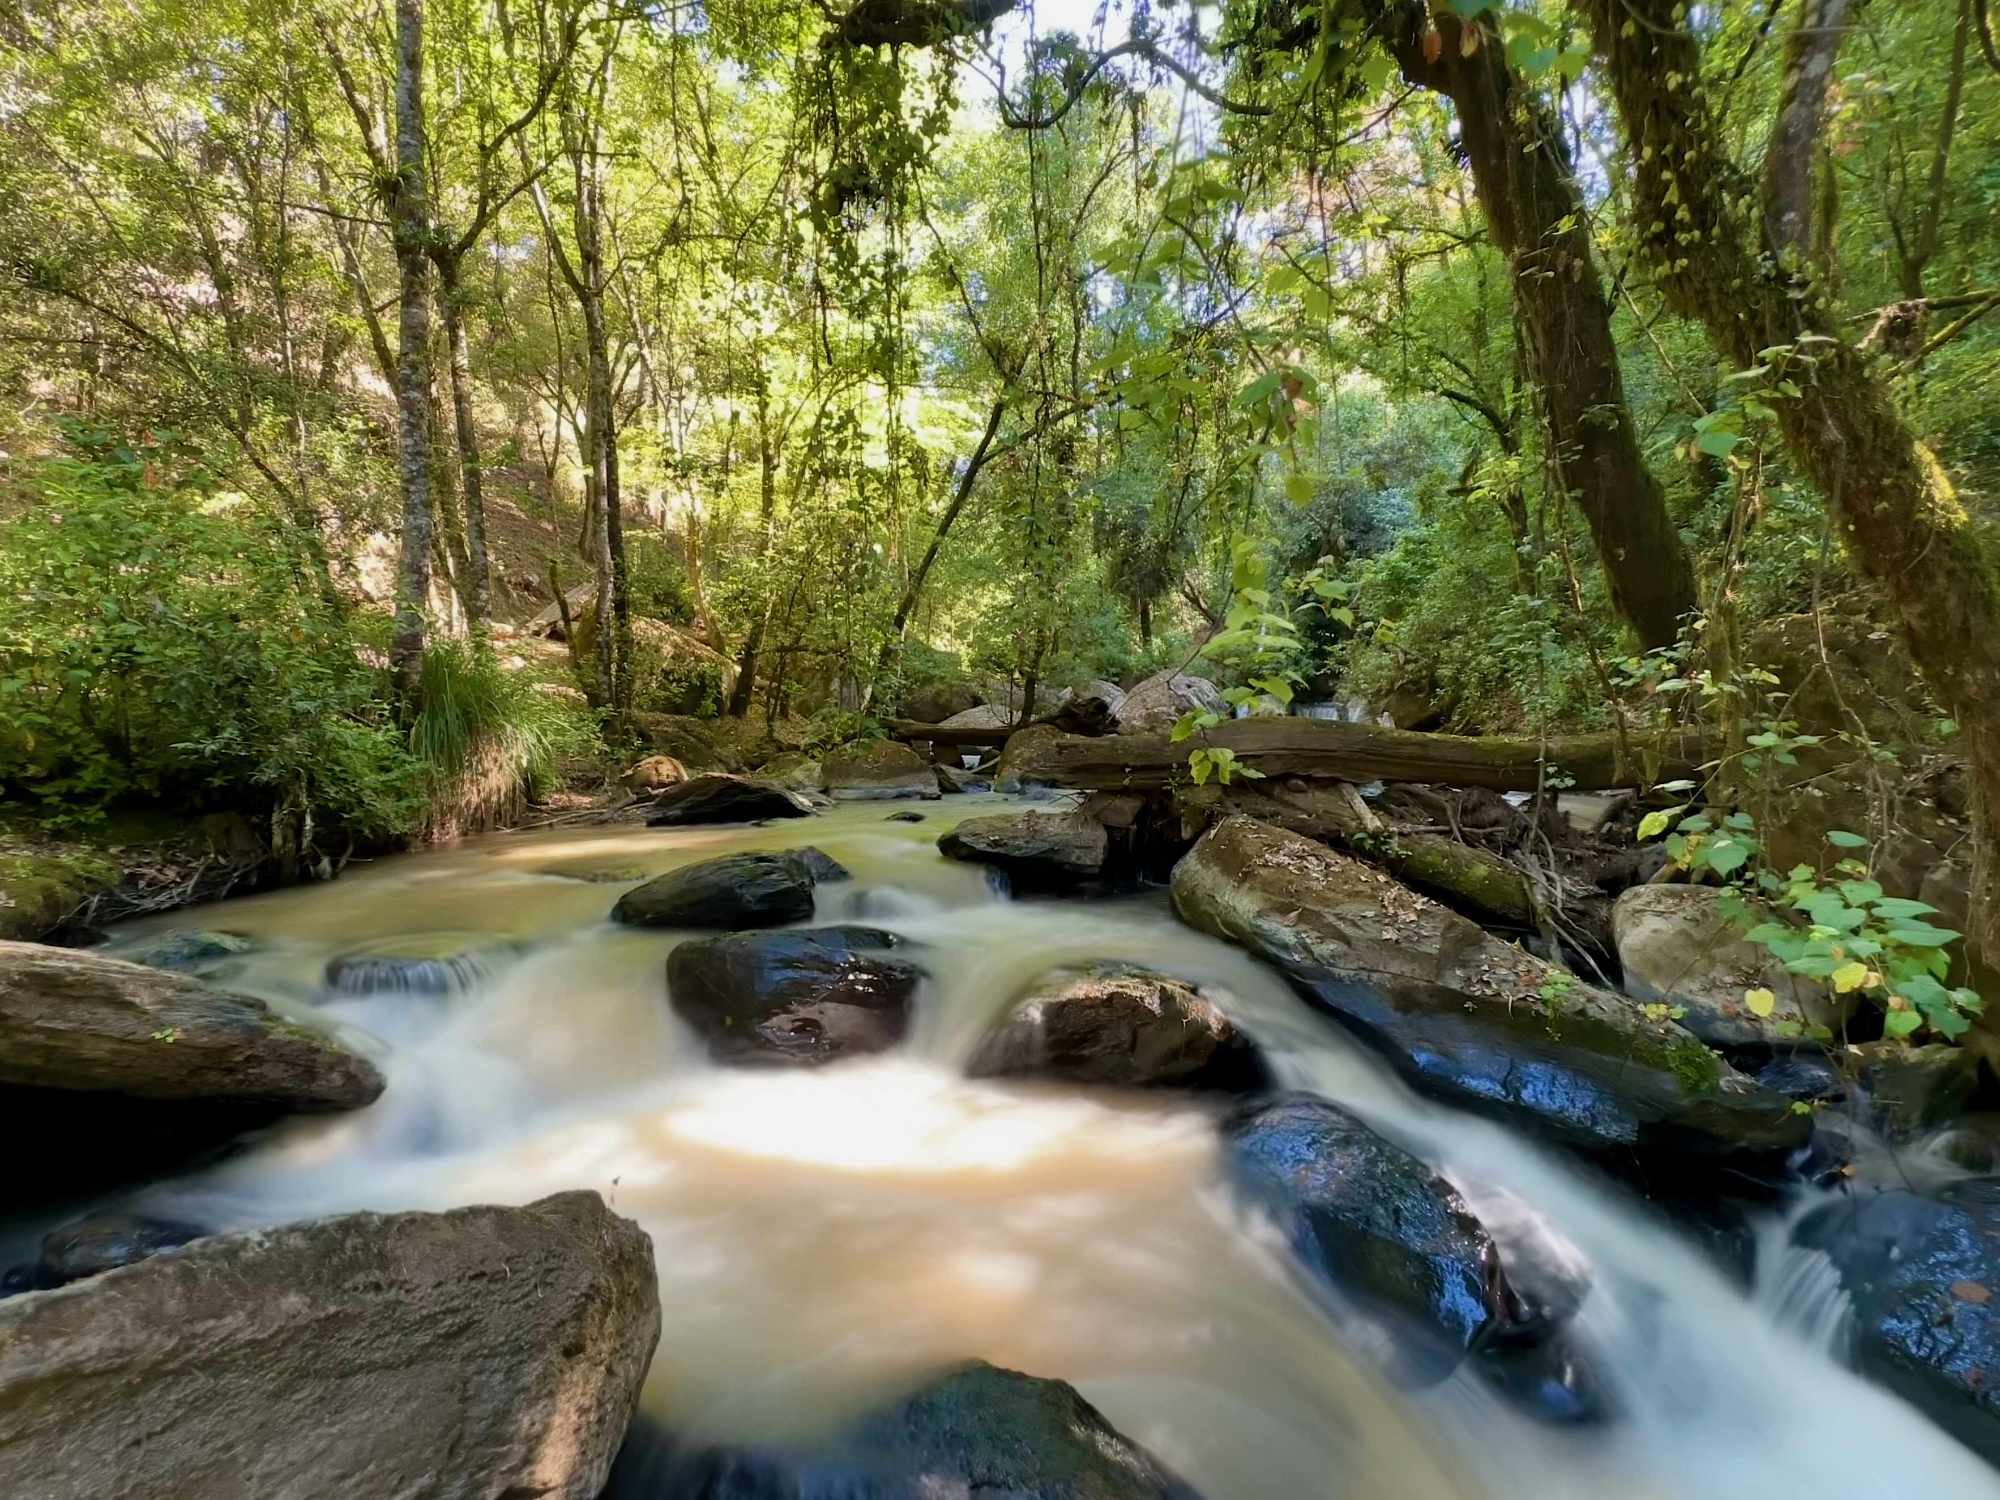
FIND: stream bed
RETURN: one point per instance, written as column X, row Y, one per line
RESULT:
column 826, row 1239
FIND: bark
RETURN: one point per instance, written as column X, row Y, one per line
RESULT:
column 1537, row 218
column 477, row 586
column 1916, row 254
column 410, row 221
column 1356, row 752
column 1810, row 53
column 1896, row 510
column 767, row 505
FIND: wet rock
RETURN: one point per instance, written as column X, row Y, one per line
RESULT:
column 799, row 998
column 655, row 773
column 795, row 771
column 1120, row 1027
column 77, row 1022
column 189, row 952
column 1377, row 1225
column 719, row 798
column 904, row 817
column 1466, row 1016
column 1803, row 1075
column 1678, row 948
column 823, row 867
column 415, row 964
column 730, row 892
column 879, row 770
column 1923, row 1273
column 1156, row 705
column 978, row 1431
column 105, row 1241
column 1911, row 1088
column 1018, row 756
column 1531, row 1357
column 1037, row 850
column 486, row 1351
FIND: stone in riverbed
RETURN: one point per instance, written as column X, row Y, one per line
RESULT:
column 428, row 964
column 77, row 1022
column 485, row 1351
column 105, row 1241
column 1468, row 1017
column 794, row 770
column 1037, row 850
column 799, row 998
column 879, row 770
column 731, row 892
column 978, row 1431
column 1120, row 1027
column 1678, row 948
column 719, row 798
column 823, row 867
column 1376, row 1224
column 188, row 952
column 655, row 773
column 1156, row 705
column 1924, row 1276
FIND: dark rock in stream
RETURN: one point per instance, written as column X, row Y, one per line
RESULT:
column 979, row 1431
column 720, row 798
column 877, row 770
column 1468, row 1017
column 432, row 966
column 1923, row 1272
column 189, row 952
column 104, row 1242
column 799, row 998
column 823, row 867
column 904, row 817
column 1377, row 1225
column 734, row 891
column 1121, row 1027
column 1037, row 851
column 481, row 1352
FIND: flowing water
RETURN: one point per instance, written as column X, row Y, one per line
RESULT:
column 825, row 1239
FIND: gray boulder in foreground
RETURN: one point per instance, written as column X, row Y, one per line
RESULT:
column 482, row 1352
column 80, row 1022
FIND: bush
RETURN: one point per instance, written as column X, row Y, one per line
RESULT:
column 159, row 639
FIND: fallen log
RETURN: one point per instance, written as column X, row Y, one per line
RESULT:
column 1079, row 716
column 1322, row 748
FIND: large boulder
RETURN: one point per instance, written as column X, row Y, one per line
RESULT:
column 698, row 744
column 978, row 1431
column 654, row 773
column 985, row 716
column 1923, row 1276
column 798, row 998
column 935, row 702
column 729, row 892
column 482, row 1352
column 1678, row 948
column 78, row 1022
column 1037, row 850
column 1377, row 1225
column 794, row 770
column 1156, row 705
column 718, row 798
column 1465, row 1016
column 875, row 771
column 1121, row 1027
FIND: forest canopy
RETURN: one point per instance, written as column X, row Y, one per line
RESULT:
column 1496, row 367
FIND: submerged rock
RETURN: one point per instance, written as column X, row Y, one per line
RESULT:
column 978, row 1431
column 879, row 770
column 1377, row 1225
column 1466, row 1016
column 188, row 952
column 75, row 1021
column 1911, row 1088
column 433, row 964
column 1678, row 948
column 904, row 817
column 1037, row 850
column 801, row 998
column 486, row 1351
column 1121, row 1027
column 105, row 1241
column 733, row 891
column 1923, row 1273
column 719, row 798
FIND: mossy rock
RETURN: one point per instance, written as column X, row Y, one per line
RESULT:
column 40, row 892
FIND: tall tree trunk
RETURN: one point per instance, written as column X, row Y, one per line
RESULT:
column 1538, row 219
column 477, row 585
column 1788, row 163
column 1896, row 510
column 410, row 216
column 1914, row 252
column 767, row 506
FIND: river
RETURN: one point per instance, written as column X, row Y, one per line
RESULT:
column 826, row 1238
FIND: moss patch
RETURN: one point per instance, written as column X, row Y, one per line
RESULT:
column 39, row 891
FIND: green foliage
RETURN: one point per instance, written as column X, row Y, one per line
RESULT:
column 156, row 642
column 475, row 719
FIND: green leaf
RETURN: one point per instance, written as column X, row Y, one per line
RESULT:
column 1901, row 1022
column 1849, row 976
column 1922, row 935
column 1299, row 488
column 1840, row 838
column 1657, row 823
column 1894, row 908
column 1759, row 1002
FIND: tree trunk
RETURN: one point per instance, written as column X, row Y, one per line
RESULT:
column 477, row 590
column 767, row 505
column 1537, row 217
column 410, row 215
column 1896, row 510
column 1788, row 163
